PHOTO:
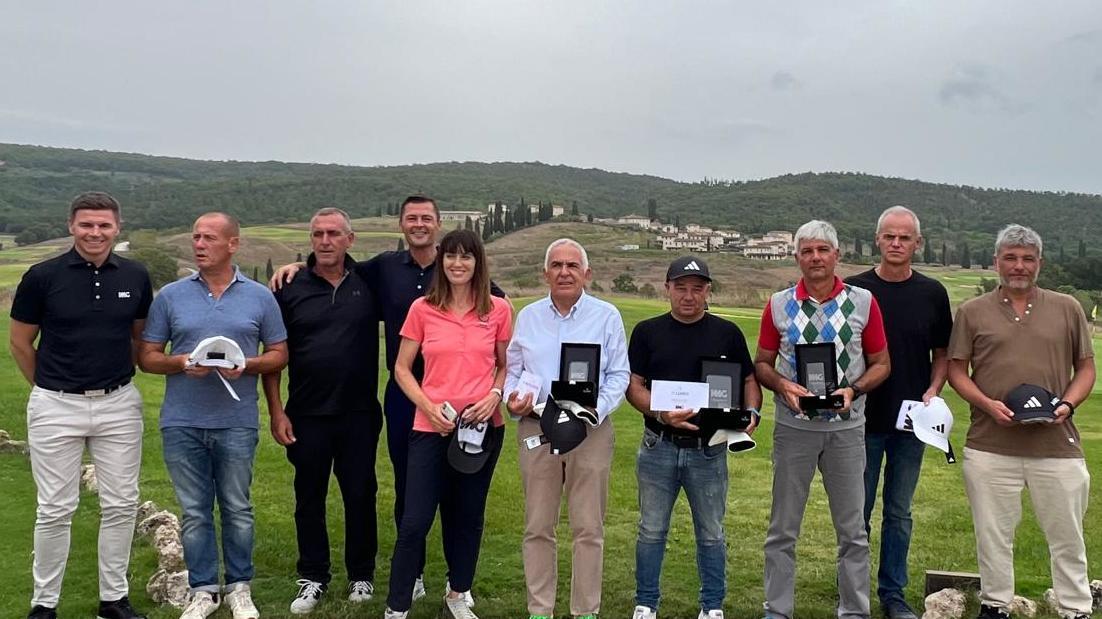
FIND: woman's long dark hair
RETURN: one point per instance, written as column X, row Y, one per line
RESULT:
column 440, row 290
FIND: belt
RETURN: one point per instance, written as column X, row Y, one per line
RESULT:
column 684, row 442
column 92, row 393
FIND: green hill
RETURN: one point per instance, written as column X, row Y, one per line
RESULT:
column 163, row 192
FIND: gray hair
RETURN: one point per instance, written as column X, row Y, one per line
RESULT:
column 1016, row 235
column 818, row 231
column 564, row 241
column 332, row 210
column 898, row 210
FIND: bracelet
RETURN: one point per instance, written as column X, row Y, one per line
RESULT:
column 499, row 392
column 1071, row 407
column 658, row 417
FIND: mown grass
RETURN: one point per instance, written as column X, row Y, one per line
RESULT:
column 943, row 536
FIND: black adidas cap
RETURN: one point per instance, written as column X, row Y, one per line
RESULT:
column 562, row 428
column 1032, row 404
column 688, row 265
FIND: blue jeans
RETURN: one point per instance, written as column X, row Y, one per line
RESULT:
column 663, row 469
column 903, row 453
column 203, row 465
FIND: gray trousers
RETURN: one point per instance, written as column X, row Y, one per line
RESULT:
column 840, row 456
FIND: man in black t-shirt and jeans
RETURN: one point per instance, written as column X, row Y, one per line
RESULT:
column 917, row 322
column 675, row 454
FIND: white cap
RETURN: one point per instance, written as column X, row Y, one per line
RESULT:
column 217, row 352
column 933, row 423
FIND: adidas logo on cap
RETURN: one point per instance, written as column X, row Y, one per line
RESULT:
column 1032, row 402
column 692, row 266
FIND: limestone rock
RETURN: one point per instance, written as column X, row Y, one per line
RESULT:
column 8, row 446
column 149, row 525
column 166, row 587
column 945, row 604
column 170, row 550
column 1022, row 607
column 146, row 509
column 1050, row 602
column 88, row 478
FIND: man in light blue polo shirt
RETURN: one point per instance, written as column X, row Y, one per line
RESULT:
column 209, row 437
column 568, row 314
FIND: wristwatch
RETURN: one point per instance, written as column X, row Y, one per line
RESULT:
column 856, row 392
column 1071, row 407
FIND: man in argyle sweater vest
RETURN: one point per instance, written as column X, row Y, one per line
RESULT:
column 819, row 308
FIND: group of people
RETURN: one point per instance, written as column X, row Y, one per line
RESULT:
column 454, row 355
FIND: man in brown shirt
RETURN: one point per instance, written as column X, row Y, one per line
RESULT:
column 1019, row 333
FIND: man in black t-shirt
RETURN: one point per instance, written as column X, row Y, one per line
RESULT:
column 917, row 322
column 332, row 419
column 675, row 453
column 86, row 308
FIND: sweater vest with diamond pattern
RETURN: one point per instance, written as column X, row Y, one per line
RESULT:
column 840, row 320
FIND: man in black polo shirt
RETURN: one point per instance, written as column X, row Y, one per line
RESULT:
column 89, row 306
column 332, row 419
column 675, row 453
column 917, row 323
column 397, row 279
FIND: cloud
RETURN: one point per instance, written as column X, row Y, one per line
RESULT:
column 783, row 80
column 973, row 88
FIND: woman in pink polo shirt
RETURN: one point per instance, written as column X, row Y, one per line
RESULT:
column 461, row 331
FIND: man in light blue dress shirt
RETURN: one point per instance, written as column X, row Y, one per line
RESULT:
column 570, row 315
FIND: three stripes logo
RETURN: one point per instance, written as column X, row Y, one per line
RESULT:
column 1032, row 402
column 940, row 428
column 692, row 266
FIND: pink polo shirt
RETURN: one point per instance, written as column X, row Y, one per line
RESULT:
column 458, row 352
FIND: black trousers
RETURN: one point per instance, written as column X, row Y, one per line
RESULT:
column 344, row 445
column 461, row 499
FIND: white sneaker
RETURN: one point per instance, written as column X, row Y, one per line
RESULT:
column 360, row 590
column 200, row 605
column 466, row 595
column 644, row 612
column 419, row 588
column 457, row 608
column 240, row 601
column 394, row 614
column 309, row 594
column 715, row 613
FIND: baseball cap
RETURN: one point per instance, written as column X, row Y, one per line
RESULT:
column 217, row 352
column 471, row 445
column 688, row 265
column 932, row 424
column 561, row 427
column 1032, row 404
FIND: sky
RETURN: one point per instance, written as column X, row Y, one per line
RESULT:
column 992, row 93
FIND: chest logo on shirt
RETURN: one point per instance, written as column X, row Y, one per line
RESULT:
column 355, row 293
column 124, row 294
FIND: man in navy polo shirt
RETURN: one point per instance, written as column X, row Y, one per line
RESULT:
column 89, row 306
column 209, row 435
column 332, row 419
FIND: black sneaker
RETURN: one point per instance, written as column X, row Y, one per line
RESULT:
column 42, row 612
column 992, row 612
column 119, row 609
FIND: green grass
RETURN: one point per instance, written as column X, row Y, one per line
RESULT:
column 943, row 530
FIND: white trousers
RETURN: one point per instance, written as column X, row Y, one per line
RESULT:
column 58, row 428
column 1059, row 489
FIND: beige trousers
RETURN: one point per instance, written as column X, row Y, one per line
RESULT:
column 1059, row 488
column 583, row 473
column 59, row 427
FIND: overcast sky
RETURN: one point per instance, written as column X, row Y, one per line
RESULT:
column 993, row 93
